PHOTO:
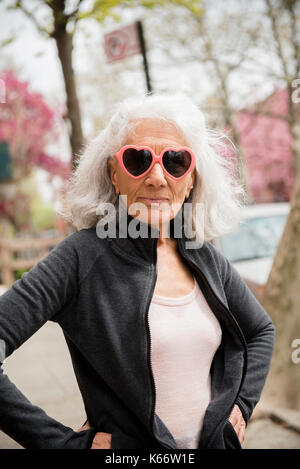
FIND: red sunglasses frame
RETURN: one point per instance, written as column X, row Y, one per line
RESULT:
column 155, row 159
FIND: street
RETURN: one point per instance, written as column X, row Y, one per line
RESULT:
column 41, row 368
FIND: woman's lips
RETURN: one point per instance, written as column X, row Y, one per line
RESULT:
column 152, row 201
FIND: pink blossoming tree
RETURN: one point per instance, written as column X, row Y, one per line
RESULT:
column 267, row 143
column 28, row 125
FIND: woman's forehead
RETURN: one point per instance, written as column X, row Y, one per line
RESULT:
column 148, row 129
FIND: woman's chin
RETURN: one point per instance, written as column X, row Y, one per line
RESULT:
column 156, row 215
column 158, row 220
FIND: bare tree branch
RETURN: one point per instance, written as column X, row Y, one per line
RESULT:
column 73, row 14
column 32, row 17
column 294, row 41
column 276, row 35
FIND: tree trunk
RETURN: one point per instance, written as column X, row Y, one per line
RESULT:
column 242, row 162
column 64, row 42
column 281, row 299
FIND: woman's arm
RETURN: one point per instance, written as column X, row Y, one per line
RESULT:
column 258, row 330
column 39, row 295
column 260, row 348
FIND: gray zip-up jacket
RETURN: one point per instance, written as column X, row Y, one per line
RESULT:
column 99, row 292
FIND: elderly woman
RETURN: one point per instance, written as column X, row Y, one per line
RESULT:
column 169, row 346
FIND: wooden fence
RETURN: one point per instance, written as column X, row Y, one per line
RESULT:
column 22, row 254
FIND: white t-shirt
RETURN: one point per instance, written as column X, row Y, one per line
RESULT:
column 185, row 335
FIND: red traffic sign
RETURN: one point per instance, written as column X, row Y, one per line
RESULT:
column 122, row 43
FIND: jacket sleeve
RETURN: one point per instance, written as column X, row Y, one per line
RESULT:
column 24, row 308
column 258, row 330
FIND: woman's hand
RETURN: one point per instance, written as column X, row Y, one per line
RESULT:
column 238, row 423
column 101, row 440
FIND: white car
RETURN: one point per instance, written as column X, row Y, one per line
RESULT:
column 252, row 246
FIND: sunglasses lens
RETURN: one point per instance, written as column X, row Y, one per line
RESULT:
column 177, row 163
column 137, row 161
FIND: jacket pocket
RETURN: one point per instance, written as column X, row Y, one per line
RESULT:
column 231, row 440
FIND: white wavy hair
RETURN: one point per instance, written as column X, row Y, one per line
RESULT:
column 216, row 185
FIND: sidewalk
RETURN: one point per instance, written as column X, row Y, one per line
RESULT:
column 273, row 433
column 42, row 369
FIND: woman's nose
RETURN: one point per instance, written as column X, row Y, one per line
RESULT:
column 156, row 176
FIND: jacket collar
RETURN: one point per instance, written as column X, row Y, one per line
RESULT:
column 135, row 237
column 138, row 239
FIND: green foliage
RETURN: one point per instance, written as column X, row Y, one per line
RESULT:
column 103, row 8
column 18, row 273
column 42, row 214
column 7, row 41
column 193, row 5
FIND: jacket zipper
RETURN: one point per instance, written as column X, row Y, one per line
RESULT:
column 149, row 362
column 153, row 268
column 234, row 323
column 230, row 315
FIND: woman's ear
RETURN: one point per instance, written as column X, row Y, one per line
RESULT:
column 112, row 170
column 190, row 186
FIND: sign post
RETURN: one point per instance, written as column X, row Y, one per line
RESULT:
column 127, row 41
column 143, row 52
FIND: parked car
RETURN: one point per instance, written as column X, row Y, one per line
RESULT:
column 252, row 246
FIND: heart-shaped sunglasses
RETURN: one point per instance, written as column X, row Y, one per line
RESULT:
column 138, row 161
